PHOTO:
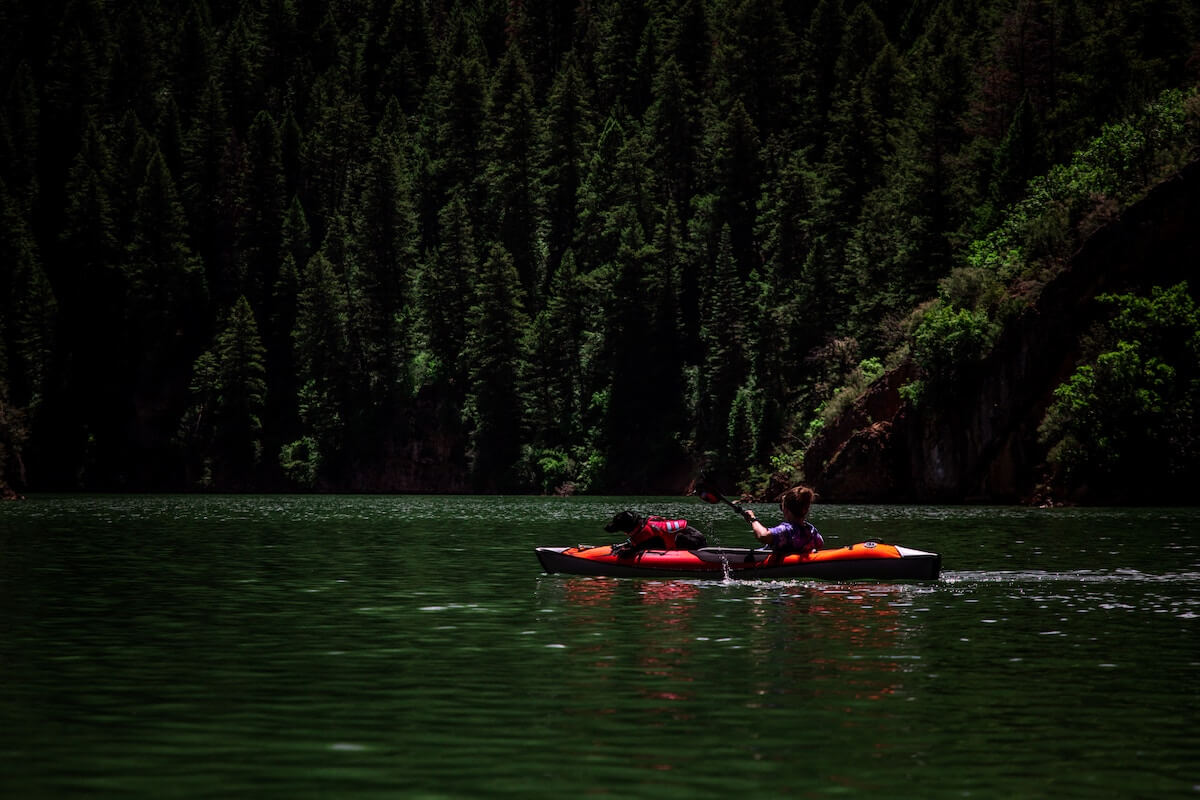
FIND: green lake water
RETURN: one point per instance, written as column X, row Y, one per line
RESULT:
column 350, row 646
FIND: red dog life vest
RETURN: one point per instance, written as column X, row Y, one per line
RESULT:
column 657, row 526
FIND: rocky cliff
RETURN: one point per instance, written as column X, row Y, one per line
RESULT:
column 980, row 445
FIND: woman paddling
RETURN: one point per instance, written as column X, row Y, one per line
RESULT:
column 795, row 534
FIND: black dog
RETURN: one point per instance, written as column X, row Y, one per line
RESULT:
column 657, row 533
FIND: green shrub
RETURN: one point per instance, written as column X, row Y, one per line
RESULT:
column 949, row 341
column 300, row 461
column 547, row 468
column 1124, row 423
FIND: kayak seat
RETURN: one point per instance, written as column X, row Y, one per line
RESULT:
column 729, row 554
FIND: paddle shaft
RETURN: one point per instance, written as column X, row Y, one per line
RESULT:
column 713, row 493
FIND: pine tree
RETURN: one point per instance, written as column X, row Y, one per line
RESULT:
column 13, row 434
column 223, row 427
column 166, row 282
column 383, row 239
column 131, row 148
column 631, row 425
column 241, row 377
column 798, row 307
column 496, row 326
column 819, row 48
column 240, row 64
column 453, row 124
column 291, row 140
column 1014, row 161
column 646, row 419
column 88, row 235
column 733, row 178
column 281, row 58
column 260, row 229
column 614, row 184
column 722, row 336
column 544, row 29
column 283, row 386
column 566, row 138
column 204, row 154
column 621, row 25
column 296, row 235
column 193, row 52
column 671, row 133
column 550, row 384
column 902, row 246
column 443, row 292
column 92, row 299
column 742, row 432
column 689, row 42
column 512, row 170
column 322, row 352
column 139, row 60
column 335, row 142
column 295, row 249
column 757, row 63
column 167, row 130
column 857, row 136
column 19, row 126
column 79, row 64
column 406, row 49
column 195, row 434
column 29, row 312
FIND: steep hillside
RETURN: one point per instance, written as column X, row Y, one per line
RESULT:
column 981, row 444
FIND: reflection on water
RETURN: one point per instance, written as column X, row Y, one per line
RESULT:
column 800, row 634
column 410, row 646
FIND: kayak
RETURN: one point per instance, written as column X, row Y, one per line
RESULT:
column 865, row 560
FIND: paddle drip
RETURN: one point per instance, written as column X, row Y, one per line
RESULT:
column 726, row 574
column 712, row 496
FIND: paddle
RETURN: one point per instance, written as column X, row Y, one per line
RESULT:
column 710, row 495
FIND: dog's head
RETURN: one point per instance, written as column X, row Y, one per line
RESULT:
column 624, row 521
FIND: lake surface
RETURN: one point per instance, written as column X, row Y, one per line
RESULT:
column 349, row 646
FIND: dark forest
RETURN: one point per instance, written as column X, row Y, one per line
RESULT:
column 605, row 246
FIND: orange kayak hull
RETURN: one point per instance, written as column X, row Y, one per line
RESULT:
column 862, row 561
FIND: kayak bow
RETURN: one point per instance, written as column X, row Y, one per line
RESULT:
column 865, row 560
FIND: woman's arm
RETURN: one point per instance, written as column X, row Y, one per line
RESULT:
column 760, row 531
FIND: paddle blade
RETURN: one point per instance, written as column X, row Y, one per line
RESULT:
column 710, row 495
